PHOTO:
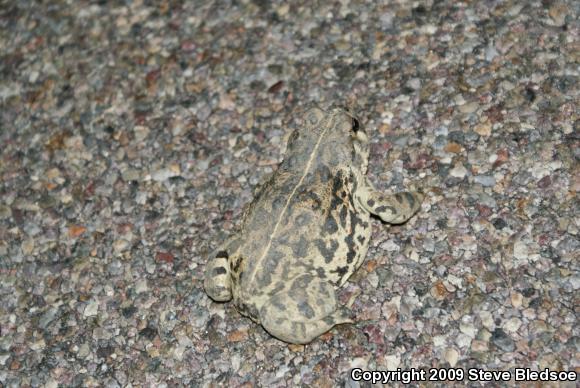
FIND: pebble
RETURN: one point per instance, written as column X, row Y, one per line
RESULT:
column 38, row 344
column 504, row 342
column 451, row 356
column 545, row 182
column 483, row 129
column 463, row 340
column 120, row 245
column 499, row 223
column 48, row 317
column 392, row 362
column 521, row 251
column 457, row 137
column 439, row 291
column 484, row 180
column 469, row 107
column 84, row 350
column 479, row 346
column 558, row 12
column 468, row 329
column 141, row 132
column 165, row 173
column 5, row 212
column 512, row 325
column 458, row 171
column 516, row 299
column 91, row 309
column 439, row 340
column 131, row 174
column 141, row 286
column 28, row 246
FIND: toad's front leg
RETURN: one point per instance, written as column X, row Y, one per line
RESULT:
column 217, row 279
column 394, row 209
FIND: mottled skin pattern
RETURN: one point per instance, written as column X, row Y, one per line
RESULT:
column 306, row 231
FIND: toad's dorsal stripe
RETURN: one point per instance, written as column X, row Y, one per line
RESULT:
column 258, row 263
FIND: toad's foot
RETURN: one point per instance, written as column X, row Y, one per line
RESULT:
column 394, row 209
column 303, row 311
column 217, row 279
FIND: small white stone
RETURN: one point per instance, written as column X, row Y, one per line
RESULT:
column 3, row 359
column 469, row 107
column 120, row 245
column 131, row 174
column 66, row 198
column 27, row 246
column 463, row 340
column 529, row 314
column 141, row 198
column 448, row 286
column 392, row 361
column 163, row 174
column 141, row 286
column 91, row 309
column 75, row 143
column 539, row 170
column 184, row 340
column 512, row 325
column 446, row 159
column 38, row 345
column 459, row 100
column 456, row 281
column 414, row 255
column 439, row 340
column 414, row 83
column 358, row 362
column 141, row 132
column 84, row 350
column 51, row 384
column 521, row 250
column 429, row 29
column 390, row 246
column 373, row 279
column 281, row 371
column 226, row 102
column 490, row 53
column 459, row 171
column 451, row 356
column 574, row 281
column 468, row 329
column 392, row 307
column 33, row 76
column 487, row 319
column 236, row 361
column 283, row 10
column 178, row 352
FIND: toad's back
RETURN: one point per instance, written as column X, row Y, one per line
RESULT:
column 321, row 232
column 288, row 228
column 279, row 226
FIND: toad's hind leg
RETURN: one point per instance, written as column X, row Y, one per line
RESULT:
column 303, row 311
column 217, row 281
column 394, row 209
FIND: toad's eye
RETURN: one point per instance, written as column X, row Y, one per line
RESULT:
column 355, row 125
column 293, row 136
